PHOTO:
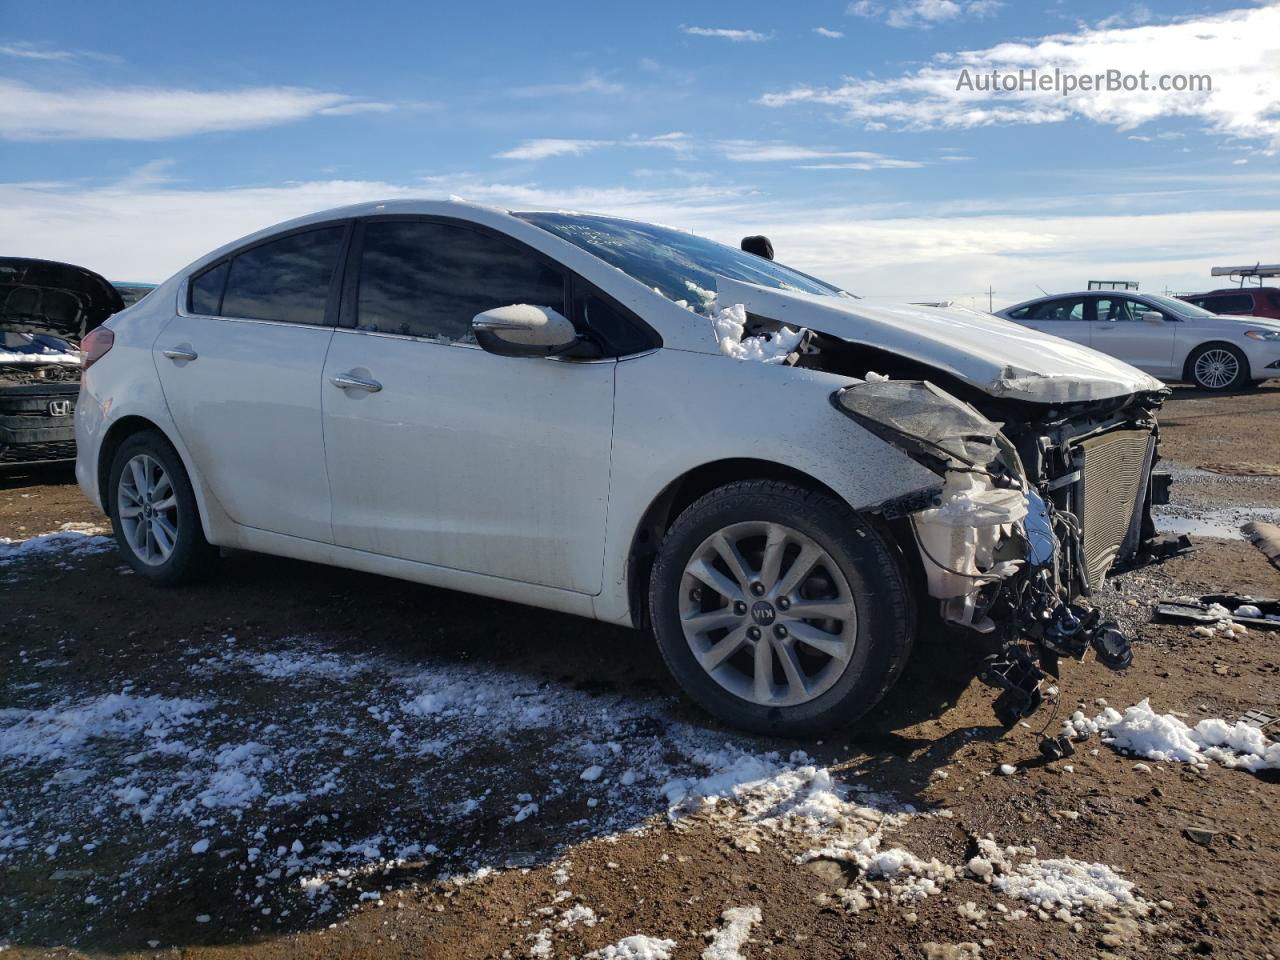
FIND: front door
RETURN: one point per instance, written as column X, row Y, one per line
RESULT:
column 441, row 453
column 1120, row 331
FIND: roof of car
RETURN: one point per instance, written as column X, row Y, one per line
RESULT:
column 1230, row 291
column 1072, row 293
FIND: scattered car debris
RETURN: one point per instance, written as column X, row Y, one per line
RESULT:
column 1213, row 608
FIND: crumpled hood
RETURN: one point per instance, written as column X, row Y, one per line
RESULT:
column 997, row 356
column 54, row 299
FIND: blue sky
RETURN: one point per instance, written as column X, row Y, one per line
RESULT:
column 134, row 141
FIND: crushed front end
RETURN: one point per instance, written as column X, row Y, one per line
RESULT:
column 1035, row 504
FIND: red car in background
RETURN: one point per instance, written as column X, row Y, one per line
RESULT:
column 1243, row 301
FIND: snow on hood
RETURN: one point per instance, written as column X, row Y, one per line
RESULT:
column 997, row 356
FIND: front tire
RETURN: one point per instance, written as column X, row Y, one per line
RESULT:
column 154, row 514
column 1218, row 367
column 779, row 610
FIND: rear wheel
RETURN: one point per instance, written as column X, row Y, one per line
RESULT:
column 1218, row 367
column 154, row 514
column 780, row 610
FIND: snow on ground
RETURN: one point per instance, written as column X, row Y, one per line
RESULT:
column 260, row 764
column 1165, row 737
column 638, row 947
column 302, row 776
column 1071, row 885
column 72, row 541
column 728, row 941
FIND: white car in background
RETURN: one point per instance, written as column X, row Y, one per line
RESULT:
column 1167, row 338
column 631, row 423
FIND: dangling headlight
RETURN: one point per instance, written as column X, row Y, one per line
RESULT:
column 920, row 418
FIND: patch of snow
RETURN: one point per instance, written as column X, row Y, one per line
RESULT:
column 1164, row 737
column 638, row 947
column 75, row 543
column 1068, row 884
column 55, row 733
column 727, row 942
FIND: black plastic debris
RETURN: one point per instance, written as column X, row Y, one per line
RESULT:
column 1197, row 611
column 1056, row 748
column 1013, row 671
column 1111, row 647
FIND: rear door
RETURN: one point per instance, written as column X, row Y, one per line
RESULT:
column 1063, row 317
column 1119, row 330
column 241, row 365
column 441, row 453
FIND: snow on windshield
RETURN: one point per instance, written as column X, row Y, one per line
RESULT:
column 681, row 266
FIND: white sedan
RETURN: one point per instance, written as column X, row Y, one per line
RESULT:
column 1170, row 339
column 631, row 423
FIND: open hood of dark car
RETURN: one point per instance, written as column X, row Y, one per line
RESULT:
column 56, row 299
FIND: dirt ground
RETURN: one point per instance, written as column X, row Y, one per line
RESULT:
column 403, row 740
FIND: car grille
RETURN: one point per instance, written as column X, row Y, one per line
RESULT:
column 1113, row 476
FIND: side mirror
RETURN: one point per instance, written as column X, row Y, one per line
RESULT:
column 523, row 330
column 1153, row 316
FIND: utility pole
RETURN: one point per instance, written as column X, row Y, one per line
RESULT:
column 990, row 299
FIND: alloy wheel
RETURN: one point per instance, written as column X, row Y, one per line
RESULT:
column 1216, row 368
column 767, row 613
column 147, row 506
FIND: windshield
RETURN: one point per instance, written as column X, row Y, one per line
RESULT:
column 1180, row 307
column 680, row 266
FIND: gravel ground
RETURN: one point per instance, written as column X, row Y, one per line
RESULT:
column 292, row 760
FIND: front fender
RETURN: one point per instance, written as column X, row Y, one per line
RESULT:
column 676, row 411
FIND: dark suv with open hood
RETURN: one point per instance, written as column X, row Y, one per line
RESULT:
column 46, row 309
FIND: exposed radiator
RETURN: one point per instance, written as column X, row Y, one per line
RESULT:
column 1113, row 477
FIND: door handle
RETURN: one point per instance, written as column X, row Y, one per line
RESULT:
column 346, row 381
column 180, row 353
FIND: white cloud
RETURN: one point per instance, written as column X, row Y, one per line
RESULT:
column 738, row 151
column 724, row 33
column 753, row 151
column 542, row 148
column 591, row 83
column 1239, row 50
column 922, row 13
column 1136, row 15
column 545, row 147
column 826, row 32
column 153, row 113
column 32, row 51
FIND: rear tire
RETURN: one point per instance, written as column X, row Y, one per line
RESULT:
column 729, row 619
column 154, row 514
column 1218, row 367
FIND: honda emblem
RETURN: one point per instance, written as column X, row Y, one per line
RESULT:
column 59, row 408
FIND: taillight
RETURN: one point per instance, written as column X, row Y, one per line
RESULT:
column 95, row 346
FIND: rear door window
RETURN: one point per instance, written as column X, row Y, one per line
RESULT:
column 206, row 290
column 285, row 280
column 1067, row 308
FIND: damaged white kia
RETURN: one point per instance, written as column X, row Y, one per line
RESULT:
column 629, row 422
